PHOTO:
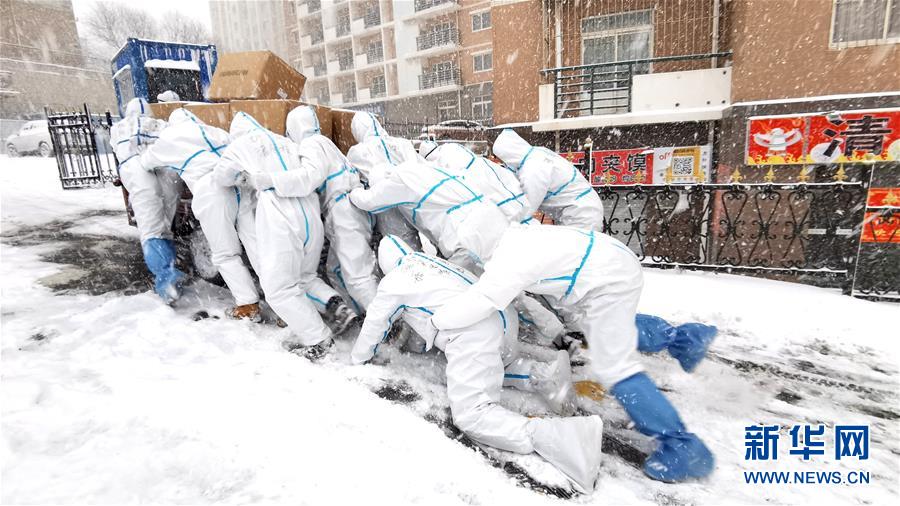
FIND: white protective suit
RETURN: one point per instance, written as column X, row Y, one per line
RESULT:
column 289, row 230
column 351, row 261
column 595, row 277
column 499, row 184
column 551, row 184
column 435, row 199
column 414, row 287
column 374, row 154
column 153, row 194
column 192, row 149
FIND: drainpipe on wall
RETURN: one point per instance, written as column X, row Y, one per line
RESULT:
column 715, row 33
column 557, row 46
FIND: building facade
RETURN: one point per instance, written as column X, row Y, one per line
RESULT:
column 250, row 25
column 41, row 63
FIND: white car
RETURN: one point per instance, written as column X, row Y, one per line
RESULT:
column 33, row 137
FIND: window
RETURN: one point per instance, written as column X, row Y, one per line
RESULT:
column 481, row 21
column 865, row 22
column 618, row 37
column 482, row 107
column 447, row 109
column 483, row 61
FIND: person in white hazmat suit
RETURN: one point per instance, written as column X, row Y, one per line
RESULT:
column 289, row 233
column 415, row 285
column 435, row 199
column 375, row 153
column 599, row 280
column 551, row 183
column 192, row 149
column 152, row 192
column 351, row 261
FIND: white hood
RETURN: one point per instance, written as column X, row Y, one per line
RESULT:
column 241, row 125
column 480, row 232
column 391, row 251
column 301, row 123
column 453, row 156
column 137, row 107
column 181, row 115
column 168, row 96
column 511, row 148
column 365, row 124
column 427, row 148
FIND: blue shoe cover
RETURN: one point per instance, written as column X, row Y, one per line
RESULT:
column 680, row 455
column 159, row 255
column 654, row 333
column 691, row 342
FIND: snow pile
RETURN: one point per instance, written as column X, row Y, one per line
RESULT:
column 121, row 399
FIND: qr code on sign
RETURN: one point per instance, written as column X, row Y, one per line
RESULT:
column 682, row 166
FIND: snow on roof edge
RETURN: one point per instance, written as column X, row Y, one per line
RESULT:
column 173, row 64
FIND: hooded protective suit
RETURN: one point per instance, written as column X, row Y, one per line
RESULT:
column 289, row 230
column 374, row 154
column 435, row 199
column 192, row 149
column 153, row 194
column 599, row 280
column 550, row 183
column 416, row 285
column 351, row 261
column 500, row 185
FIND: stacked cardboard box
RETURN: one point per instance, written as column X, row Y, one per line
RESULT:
column 262, row 85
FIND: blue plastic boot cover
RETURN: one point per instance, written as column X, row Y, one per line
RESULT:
column 691, row 342
column 680, row 454
column 654, row 333
column 159, row 255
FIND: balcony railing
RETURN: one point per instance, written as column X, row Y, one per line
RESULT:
column 372, row 18
column 437, row 38
column 378, row 87
column 375, row 53
column 421, row 5
column 313, row 6
column 606, row 88
column 343, row 26
column 440, row 78
column 319, row 70
column 349, row 93
column 345, row 59
column 316, row 38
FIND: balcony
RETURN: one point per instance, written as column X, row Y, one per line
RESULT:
column 378, row 88
column 343, row 26
column 437, row 79
column 437, row 38
column 674, row 88
column 349, row 93
column 309, row 7
column 372, row 18
column 421, row 5
column 375, row 54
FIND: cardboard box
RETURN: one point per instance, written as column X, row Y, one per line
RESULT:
column 272, row 114
column 254, row 75
column 217, row 115
column 340, row 129
column 162, row 110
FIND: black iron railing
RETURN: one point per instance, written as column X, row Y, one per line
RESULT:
column 80, row 140
column 605, row 88
column 372, row 18
column 439, row 78
column 437, row 38
column 421, row 5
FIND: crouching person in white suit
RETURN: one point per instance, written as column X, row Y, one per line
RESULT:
column 153, row 193
column 351, row 261
column 416, row 285
column 599, row 280
column 289, row 233
column 192, row 149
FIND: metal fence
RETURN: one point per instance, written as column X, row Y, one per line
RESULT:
column 81, row 146
column 820, row 233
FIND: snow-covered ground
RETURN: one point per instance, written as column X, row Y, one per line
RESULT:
column 116, row 398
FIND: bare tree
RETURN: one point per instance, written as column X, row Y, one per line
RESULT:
column 112, row 23
column 178, row 28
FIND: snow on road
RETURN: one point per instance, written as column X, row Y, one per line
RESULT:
column 116, row 398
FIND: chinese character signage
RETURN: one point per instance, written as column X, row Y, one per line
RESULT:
column 824, row 138
column 806, row 441
column 682, row 165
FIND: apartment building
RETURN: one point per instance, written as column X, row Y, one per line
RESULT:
column 421, row 60
column 250, row 25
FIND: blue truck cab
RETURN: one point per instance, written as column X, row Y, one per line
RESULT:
column 146, row 68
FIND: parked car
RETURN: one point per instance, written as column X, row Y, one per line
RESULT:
column 467, row 132
column 33, row 137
